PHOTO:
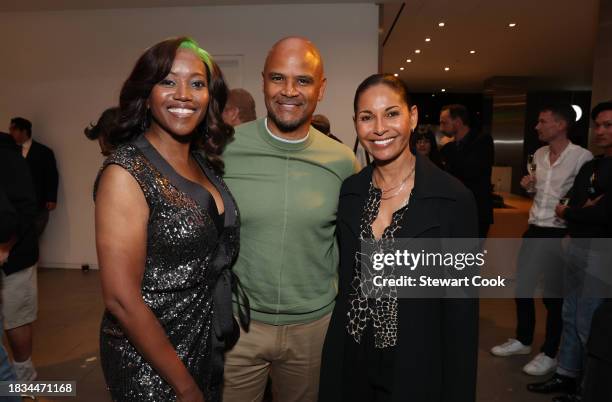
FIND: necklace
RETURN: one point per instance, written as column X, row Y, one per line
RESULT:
column 391, row 191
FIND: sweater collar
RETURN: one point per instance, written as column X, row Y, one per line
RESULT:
column 262, row 130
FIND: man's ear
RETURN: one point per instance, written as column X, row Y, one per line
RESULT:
column 322, row 89
column 414, row 117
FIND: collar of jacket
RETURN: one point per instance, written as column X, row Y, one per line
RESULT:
column 429, row 181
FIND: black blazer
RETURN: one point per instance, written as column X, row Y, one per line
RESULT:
column 471, row 161
column 436, row 354
column 44, row 173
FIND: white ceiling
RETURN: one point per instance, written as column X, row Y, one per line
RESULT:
column 58, row 5
column 553, row 41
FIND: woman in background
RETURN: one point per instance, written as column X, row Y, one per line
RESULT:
column 381, row 347
column 167, row 231
column 102, row 128
column 424, row 143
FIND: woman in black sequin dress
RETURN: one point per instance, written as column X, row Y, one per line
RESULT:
column 167, row 231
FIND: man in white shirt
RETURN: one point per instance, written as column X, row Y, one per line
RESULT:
column 557, row 163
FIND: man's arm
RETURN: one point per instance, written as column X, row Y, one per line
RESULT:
column 482, row 165
column 51, row 179
column 595, row 212
column 8, row 217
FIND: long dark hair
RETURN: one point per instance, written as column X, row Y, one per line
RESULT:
column 153, row 66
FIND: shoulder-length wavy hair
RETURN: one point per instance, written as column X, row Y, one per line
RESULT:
column 212, row 135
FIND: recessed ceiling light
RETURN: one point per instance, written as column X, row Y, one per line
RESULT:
column 396, row 75
column 441, row 24
column 446, row 68
column 401, row 68
column 417, row 51
column 443, row 90
column 408, row 60
column 472, row 51
column 512, row 24
column 427, row 39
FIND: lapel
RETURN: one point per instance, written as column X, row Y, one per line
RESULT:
column 423, row 213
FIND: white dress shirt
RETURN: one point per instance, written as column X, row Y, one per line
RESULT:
column 553, row 182
column 25, row 147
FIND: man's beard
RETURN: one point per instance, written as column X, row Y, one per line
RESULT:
column 287, row 126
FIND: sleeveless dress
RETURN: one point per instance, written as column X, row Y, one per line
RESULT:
column 187, row 282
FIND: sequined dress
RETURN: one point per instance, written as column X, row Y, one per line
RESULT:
column 186, row 281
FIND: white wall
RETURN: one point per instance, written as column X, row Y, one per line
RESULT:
column 61, row 69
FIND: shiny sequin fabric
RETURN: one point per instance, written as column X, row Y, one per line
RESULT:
column 381, row 306
column 177, row 285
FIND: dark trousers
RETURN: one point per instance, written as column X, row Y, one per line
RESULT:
column 483, row 229
column 540, row 261
column 369, row 374
column 596, row 384
column 40, row 223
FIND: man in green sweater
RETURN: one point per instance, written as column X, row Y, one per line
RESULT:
column 286, row 178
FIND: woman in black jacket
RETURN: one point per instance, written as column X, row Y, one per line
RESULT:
column 388, row 348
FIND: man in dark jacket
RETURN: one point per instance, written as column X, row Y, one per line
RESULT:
column 18, row 255
column 470, row 159
column 41, row 161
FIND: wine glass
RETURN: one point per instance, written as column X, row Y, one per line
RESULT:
column 531, row 168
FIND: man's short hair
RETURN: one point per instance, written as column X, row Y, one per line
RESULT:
column 22, row 124
column 457, row 111
column 244, row 102
column 563, row 111
column 601, row 107
column 321, row 123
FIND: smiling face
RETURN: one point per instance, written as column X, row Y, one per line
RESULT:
column 293, row 84
column 383, row 122
column 179, row 102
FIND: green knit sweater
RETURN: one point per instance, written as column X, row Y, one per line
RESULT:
column 287, row 194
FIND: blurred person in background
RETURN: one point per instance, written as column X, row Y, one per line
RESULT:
column 321, row 123
column 43, row 169
column 424, row 143
column 101, row 129
column 240, row 107
column 18, row 258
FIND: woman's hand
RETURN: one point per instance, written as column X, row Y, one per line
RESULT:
column 560, row 210
column 190, row 394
